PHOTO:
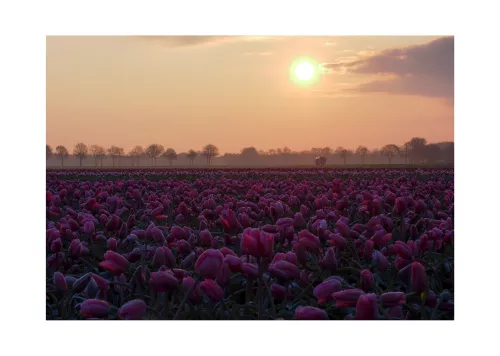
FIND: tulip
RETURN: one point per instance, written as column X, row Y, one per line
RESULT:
column 224, row 274
column 212, row 290
column 380, row 261
column 380, row 238
column 347, row 298
column 60, row 283
column 163, row 281
column 366, row 307
column 403, row 250
column 234, row 263
column 337, row 241
column 278, row 291
column 209, row 263
column 401, row 263
column 395, row 312
column 392, row 299
column 366, row 280
column 310, row 313
column 133, row 310
column 309, row 241
column 330, row 261
column 323, row 292
column 257, row 243
column 298, row 221
column 56, row 245
column 343, row 228
column 114, row 262
column 250, row 270
column 206, row 238
column 418, row 278
column 112, row 244
column 284, row 270
column 187, row 284
column 94, row 308
column 80, row 284
column 400, row 206
column 368, row 251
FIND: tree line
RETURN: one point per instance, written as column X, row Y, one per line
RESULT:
column 415, row 151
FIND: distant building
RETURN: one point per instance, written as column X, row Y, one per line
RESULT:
column 321, row 161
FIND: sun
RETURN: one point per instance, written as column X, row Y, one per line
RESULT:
column 304, row 70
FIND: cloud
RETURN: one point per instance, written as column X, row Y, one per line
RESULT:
column 188, row 41
column 425, row 70
column 258, row 54
column 185, row 41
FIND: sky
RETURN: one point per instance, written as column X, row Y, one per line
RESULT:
column 187, row 91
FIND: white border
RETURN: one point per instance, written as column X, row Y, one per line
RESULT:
column 22, row 77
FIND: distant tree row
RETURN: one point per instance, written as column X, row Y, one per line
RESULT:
column 415, row 151
column 153, row 151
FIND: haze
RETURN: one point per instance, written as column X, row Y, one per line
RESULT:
column 236, row 92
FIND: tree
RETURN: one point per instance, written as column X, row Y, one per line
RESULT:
column 115, row 152
column 136, row 154
column 154, row 151
column 62, row 153
column 417, row 149
column 97, row 152
column 362, row 151
column 210, row 152
column 432, row 153
column 48, row 151
column 192, row 155
column 326, row 151
column 404, row 150
column 389, row 151
column 342, row 152
column 170, row 154
column 81, row 151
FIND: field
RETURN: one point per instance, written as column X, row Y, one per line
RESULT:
column 245, row 244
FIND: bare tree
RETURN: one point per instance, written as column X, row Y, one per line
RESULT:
column 170, row 154
column 62, row 153
column 154, row 151
column 48, row 152
column 81, row 151
column 136, row 154
column 191, row 155
column 342, row 152
column 116, row 152
column 389, row 151
column 98, row 152
column 362, row 151
column 210, row 151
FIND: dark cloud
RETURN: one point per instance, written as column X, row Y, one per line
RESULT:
column 426, row 70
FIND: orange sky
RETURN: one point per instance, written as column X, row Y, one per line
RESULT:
column 185, row 92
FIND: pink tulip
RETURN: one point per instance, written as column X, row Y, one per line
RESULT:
column 114, row 262
column 347, row 298
column 366, row 307
column 323, row 292
column 212, row 290
column 94, row 308
column 209, row 263
column 392, row 299
column 133, row 310
column 310, row 313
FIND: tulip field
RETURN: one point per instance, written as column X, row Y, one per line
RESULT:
column 250, row 244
